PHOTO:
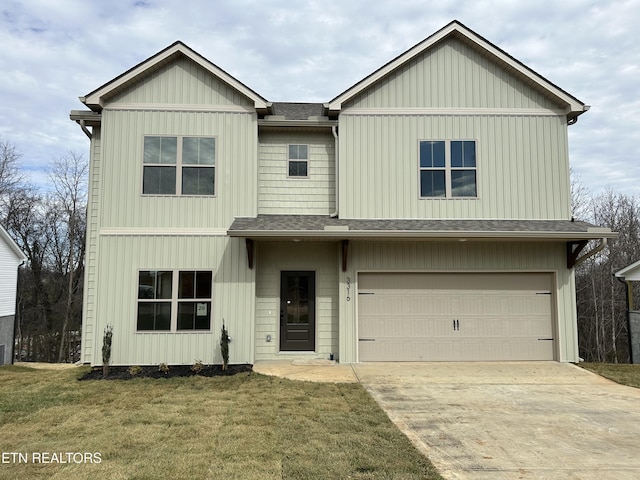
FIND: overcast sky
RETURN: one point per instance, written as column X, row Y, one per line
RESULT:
column 310, row 51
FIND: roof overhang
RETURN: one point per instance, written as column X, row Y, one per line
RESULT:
column 96, row 99
column 312, row 227
column 573, row 107
column 20, row 257
column 630, row 273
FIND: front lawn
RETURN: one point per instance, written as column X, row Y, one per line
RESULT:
column 247, row 426
column 624, row 374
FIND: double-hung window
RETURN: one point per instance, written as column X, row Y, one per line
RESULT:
column 298, row 164
column 448, row 168
column 179, row 165
column 171, row 300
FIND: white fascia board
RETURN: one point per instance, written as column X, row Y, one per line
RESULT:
column 21, row 257
column 413, row 234
column 96, row 97
column 574, row 105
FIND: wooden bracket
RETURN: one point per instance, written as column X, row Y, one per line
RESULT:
column 573, row 251
column 250, row 248
column 345, row 254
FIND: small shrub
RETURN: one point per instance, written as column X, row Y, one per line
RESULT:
column 135, row 370
column 197, row 367
column 106, row 349
column 164, row 368
column 224, row 347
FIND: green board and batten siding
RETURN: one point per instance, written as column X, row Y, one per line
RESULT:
column 129, row 232
column 449, row 93
column 181, row 83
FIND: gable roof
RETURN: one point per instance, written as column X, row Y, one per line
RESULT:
column 630, row 273
column 455, row 29
column 95, row 100
column 4, row 236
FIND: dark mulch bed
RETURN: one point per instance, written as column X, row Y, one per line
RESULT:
column 122, row 373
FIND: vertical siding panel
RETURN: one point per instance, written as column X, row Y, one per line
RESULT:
column 232, row 298
column 124, row 205
column 521, row 163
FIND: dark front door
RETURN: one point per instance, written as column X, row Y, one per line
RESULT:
column 298, row 311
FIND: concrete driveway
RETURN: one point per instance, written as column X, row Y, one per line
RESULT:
column 521, row 420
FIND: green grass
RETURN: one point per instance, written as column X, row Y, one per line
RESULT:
column 624, row 374
column 247, row 426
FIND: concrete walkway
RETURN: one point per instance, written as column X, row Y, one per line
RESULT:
column 493, row 421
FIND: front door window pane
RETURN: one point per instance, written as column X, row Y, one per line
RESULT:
column 297, row 300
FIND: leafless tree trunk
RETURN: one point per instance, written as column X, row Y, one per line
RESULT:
column 69, row 178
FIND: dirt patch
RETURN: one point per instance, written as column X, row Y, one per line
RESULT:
column 123, row 373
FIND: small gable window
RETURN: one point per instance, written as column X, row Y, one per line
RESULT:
column 298, row 161
column 448, row 168
column 179, row 165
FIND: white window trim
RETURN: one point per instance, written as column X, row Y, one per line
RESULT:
column 178, row 165
column 289, row 160
column 447, row 169
column 174, row 300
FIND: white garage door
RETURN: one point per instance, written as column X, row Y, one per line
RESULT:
column 455, row 317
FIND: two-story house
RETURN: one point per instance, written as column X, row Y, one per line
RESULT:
column 423, row 214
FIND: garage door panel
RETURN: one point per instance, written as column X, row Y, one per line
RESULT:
column 414, row 317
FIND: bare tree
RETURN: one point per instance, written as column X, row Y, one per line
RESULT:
column 580, row 197
column 67, row 218
column 601, row 302
column 10, row 174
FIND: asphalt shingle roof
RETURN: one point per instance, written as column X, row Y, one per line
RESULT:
column 298, row 111
column 323, row 223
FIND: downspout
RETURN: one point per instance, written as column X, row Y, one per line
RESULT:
column 85, row 129
column 629, row 301
column 334, row 131
column 591, row 253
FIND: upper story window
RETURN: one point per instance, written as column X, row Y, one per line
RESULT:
column 179, row 166
column 174, row 300
column 298, row 161
column 448, row 168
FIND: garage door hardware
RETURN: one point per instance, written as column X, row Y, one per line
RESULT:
column 545, row 339
column 366, row 339
column 456, row 325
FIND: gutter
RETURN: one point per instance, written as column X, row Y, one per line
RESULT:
column 342, row 232
column 86, row 119
column 574, row 119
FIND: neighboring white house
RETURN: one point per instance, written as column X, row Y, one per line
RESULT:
column 10, row 259
column 631, row 273
column 422, row 214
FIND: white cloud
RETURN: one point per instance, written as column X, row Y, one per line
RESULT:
column 54, row 52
